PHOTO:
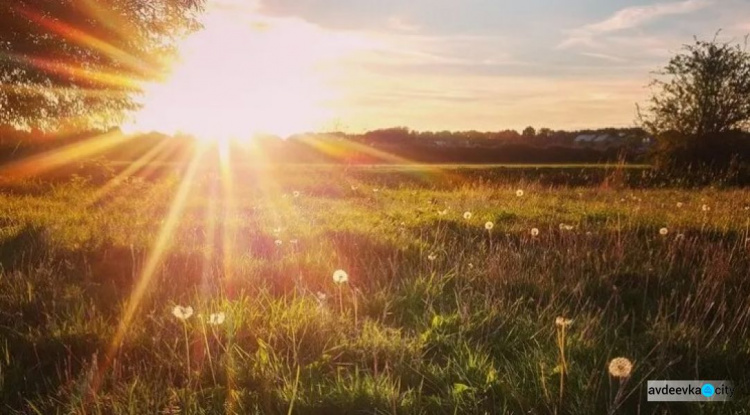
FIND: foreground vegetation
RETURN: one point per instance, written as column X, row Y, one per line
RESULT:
column 437, row 312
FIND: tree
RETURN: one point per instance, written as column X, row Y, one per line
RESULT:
column 701, row 103
column 529, row 132
column 79, row 62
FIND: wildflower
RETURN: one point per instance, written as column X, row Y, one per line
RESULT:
column 563, row 322
column 663, row 231
column 519, row 193
column 278, row 242
column 216, row 319
column 489, row 226
column 620, row 367
column 432, row 256
column 340, row 276
column 183, row 313
column 534, row 232
column 295, row 193
column 467, row 215
column 705, row 208
column 679, row 204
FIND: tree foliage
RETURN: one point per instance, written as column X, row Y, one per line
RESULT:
column 700, row 109
column 79, row 62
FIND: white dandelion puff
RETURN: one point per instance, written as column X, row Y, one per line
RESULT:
column 663, row 231
column 680, row 204
column 182, row 313
column 534, row 232
column 620, row 367
column 278, row 242
column 489, row 226
column 296, row 193
column 519, row 193
column 340, row 276
column 216, row 319
column 467, row 215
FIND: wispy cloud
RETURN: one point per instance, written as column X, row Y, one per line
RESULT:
column 402, row 24
column 628, row 18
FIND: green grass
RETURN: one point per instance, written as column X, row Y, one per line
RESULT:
column 470, row 331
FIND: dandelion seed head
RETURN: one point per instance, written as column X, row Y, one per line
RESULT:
column 620, row 367
column 296, row 193
column 519, row 193
column 663, row 231
column 467, row 215
column 182, row 313
column 679, row 204
column 278, row 242
column 443, row 212
column 340, row 276
column 489, row 226
column 563, row 322
column 534, row 232
column 432, row 256
column 216, row 319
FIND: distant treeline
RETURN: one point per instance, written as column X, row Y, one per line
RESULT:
column 394, row 145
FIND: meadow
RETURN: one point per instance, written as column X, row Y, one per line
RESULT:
column 394, row 290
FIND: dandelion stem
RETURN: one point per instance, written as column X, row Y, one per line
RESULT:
column 187, row 350
column 208, row 352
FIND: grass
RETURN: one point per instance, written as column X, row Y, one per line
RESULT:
column 438, row 316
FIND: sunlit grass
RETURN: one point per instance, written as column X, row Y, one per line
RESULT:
column 392, row 300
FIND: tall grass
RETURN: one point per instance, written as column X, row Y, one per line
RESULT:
column 439, row 315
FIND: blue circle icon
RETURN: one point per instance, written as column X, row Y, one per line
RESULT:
column 707, row 390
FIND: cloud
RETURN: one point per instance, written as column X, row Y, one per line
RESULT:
column 402, row 24
column 629, row 18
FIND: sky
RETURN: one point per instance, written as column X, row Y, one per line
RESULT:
column 483, row 65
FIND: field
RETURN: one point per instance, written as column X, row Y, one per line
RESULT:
column 439, row 312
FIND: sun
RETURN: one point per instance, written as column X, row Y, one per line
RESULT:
column 240, row 77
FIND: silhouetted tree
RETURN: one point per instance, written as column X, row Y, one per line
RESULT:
column 529, row 132
column 701, row 104
column 78, row 62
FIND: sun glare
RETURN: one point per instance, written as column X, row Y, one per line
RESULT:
column 242, row 76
